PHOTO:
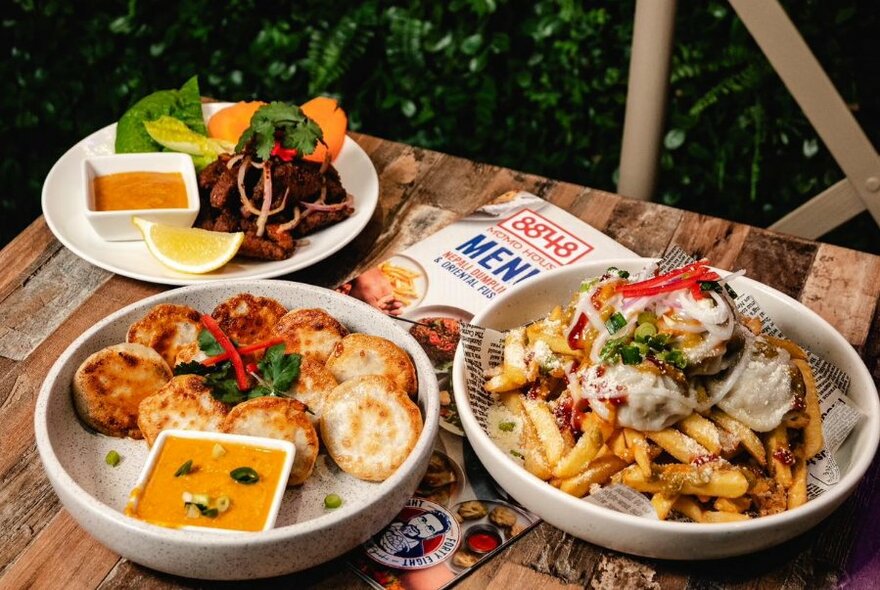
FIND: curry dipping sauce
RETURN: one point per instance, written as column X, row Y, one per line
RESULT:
column 139, row 190
column 210, row 483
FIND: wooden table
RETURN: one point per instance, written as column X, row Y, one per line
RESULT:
column 48, row 297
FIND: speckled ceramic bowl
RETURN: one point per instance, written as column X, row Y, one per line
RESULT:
column 305, row 534
column 665, row 539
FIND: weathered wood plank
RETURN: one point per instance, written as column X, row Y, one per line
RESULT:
column 783, row 262
column 851, row 309
column 512, row 575
column 26, row 252
column 34, row 310
column 547, row 551
column 645, row 228
column 719, row 240
column 63, row 556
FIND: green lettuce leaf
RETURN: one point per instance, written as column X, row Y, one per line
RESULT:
column 184, row 104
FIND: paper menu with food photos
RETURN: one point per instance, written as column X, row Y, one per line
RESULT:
column 460, row 516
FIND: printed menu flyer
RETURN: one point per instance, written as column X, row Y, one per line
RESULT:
column 459, row 515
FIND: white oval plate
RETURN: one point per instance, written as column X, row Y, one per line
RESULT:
column 306, row 534
column 64, row 209
column 665, row 539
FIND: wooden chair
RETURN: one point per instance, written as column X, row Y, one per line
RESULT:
column 805, row 79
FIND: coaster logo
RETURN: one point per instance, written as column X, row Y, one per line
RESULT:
column 422, row 535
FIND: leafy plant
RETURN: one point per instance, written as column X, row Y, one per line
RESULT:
column 539, row 87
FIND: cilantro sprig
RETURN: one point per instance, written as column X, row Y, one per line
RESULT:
column 277, row 372
column 284, row 123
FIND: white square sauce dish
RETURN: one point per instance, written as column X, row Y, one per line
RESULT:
column 158, row 187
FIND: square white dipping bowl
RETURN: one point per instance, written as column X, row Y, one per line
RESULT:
column 116, row 226
column 218, row 437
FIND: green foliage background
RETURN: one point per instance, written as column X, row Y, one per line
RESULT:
column 537, row 86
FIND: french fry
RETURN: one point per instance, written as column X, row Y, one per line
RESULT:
column 617, row 444
column 725, row 483
column 635, row 440
column 718, row 516
column 533, row 456
column 579, row 457
column 703, row 431
column 547, row 432
column 599, row 472
column 679, row 445
column 797, row 493
column 814, row 440
column 796, row 352
column 689, row 508
column 778, row 451
column 733, row 504
column 748, row 438
column 663, row 504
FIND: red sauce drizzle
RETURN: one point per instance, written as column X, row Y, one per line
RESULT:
column 703, row 459
column 784, row 456
column 575, row 337
column 483, row 542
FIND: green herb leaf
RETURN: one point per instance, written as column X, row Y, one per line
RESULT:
column 278, row 121
column 245, row 475
column 193, row 368
column 184, row 469
column 517, row 454
column 113, row 458
column 507, row 426
column 280, row 369
column 208, row 344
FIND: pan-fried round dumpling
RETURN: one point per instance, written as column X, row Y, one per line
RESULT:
column 369, row 427
column 361, row 354
column 186, row 403
column 310, row 332
column 314, row 385
column 166, row 328
column 188, row 353
column 281, row 418
column 248, row 319
column 110, row 384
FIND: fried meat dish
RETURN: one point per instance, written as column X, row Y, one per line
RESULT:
column 272, row 202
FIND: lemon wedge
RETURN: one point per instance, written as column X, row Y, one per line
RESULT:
column 187, row 249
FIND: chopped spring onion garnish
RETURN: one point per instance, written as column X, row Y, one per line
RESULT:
column 644, row 331
column 223, row 503
column 217, row 451
column 245, row 475
column 630, row 355
column 615, row 322
column 184, row 469
column 507, row 426
column 113, row 458
column 517, row 454
column 332, row 501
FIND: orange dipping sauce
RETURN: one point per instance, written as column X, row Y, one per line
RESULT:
column 139, row 190
column 162, row 499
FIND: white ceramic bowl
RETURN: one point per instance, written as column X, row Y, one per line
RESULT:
column 116, row 226
column 257, row 442
column 663, row 539
column 306, row 534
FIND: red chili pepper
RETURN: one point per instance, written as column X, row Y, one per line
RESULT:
column 681, row 281
column 286, row 154
column 251, row 367
column 250, row 348
column 661, row 279
column 223, row 340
